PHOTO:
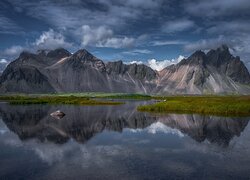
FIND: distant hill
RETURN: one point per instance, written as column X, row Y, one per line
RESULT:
column 60, row 71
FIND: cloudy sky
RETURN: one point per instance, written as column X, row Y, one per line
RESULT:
column 130, row 30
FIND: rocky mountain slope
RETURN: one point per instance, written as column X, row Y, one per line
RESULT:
column 60, row 71
column 215, row 72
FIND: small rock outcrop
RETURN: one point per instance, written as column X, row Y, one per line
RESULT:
column 58, row 114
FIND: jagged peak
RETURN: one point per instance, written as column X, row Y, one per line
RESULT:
column 197, row 57
column 220, row 55
column 198, row 53
column 42, row 52
column 58, row 53
column 118, row 62
column 55, row 53
column 121, row 63
column 215, row 56
column 223, row 47
column 83, row 54
column 25, row 54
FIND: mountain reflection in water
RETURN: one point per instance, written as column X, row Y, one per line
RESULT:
column 120, row 143
column 82, row 123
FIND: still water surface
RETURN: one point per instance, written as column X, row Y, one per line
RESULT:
column 117, row 142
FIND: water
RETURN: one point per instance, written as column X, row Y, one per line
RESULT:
column 117, row 142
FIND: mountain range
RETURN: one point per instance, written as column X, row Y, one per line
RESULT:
column 214, row 72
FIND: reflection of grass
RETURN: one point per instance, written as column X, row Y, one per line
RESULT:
column 214, row 105
column 55, row 100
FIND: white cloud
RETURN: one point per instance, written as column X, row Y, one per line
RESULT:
column 177, row 25
column 3, row 61
column 3, row 65
column 229, row 27
column 134, row 62
column 51, row 40
column 163, row 43
column 106, row 12
column 137, row 51
column 145, row 4
column 159, row 127
column 215, row 8
column 104, row 37
column 8, row 26
column 238, row 45
column 159, row 65
column 47, row 40
column 93, row 36
column 206, row 44
column 13, row 51
column 124, row 42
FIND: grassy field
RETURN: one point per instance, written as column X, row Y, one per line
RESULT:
column 86, row 98
column 211, row 105
column 107, row 95
column 32, row 99
column 89, row 95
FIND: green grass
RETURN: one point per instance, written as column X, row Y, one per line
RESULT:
column 210, row 105
column 86, row 98
column 129, row 96
column 91, row 95
column 32, row 99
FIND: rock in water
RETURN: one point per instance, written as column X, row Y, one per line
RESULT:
column 58, row 114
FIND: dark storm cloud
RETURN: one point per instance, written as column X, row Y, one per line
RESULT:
column 177, row 25
column 166, row 29
column 8, row 26
column 97, row 24
column 206, row 44
column 222, row 22
column 70, row 14
column 168, row 42
column 218, row 8
column 229, row 27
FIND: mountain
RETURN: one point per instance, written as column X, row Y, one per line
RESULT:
column 60, row 71
column 3, row 65
column 215, row 72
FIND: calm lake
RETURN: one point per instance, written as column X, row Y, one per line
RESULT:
column 117, row 142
